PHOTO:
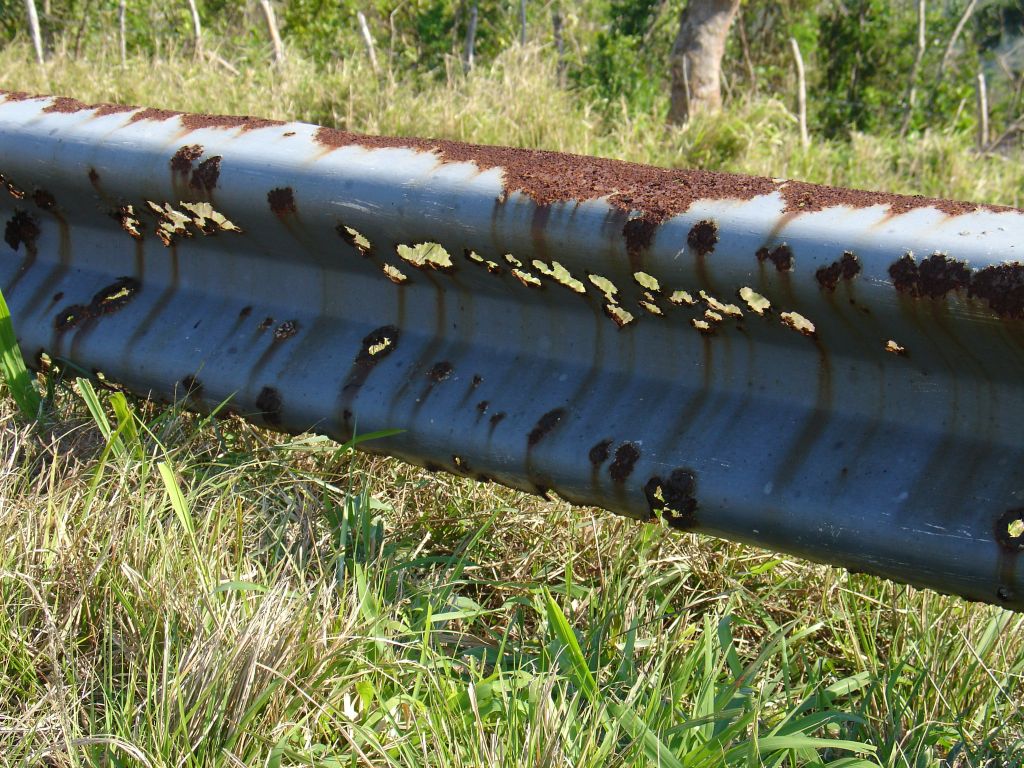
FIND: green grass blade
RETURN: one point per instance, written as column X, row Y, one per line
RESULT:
column 12, row 366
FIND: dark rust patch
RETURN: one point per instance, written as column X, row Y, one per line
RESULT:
column 1002, row 286
column 281, row 200
column 58, row 296
column 286, row 330
column 378, row 344
column 440, row 371
column 600, row 452
column 94, row 177
column 626, row 457
column 781, row 256
column 44, row 200
column 674, row 499
column 206, row 174
column 477, row 380
column 544, row 425
column 496, row 419
column 265, row 323
column 935, row 277
column 1005, row 537
column 245, row 311
column 104, row 302
column 182, row 160
column 703, row 237
column 192, row 387
column 845, row 267
column 638, row 233
column 270, row 404
column 482, row 407
column 21, row 228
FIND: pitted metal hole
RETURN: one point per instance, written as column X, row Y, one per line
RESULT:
column 21, row 229
column 512, row 260
column 720, row 308
column 781, row 256
column 355, row 238
column 12, row 189
column 896, row 349
column 649, row 302
column 705, row 327
column 646, row 281
column 482, row 407
column 544, row 425
column 207, row 173
column 682, row 298
column 461, row 465
column 286, row 330
column 600, row 452
column 208, row 220
column 378, row 344
column 271, row 405
column 44, row 200
column 477, row 380
column 71, row 316
column 798, row 322
column 440, row 371
column 427, row 255
column 621, row 316
column 712, row 317
column 171, row 224
column 626, row 457
column 703, row 237
column 492, row 266
column 181, row 161
column 394, row 274
column 129, row 220
column 674, row 499
column 605, row 286
column 846, row 267
column 758, row 304
column 281, row 200
column 1009, row 530
column 528, row 279
column 560, row 275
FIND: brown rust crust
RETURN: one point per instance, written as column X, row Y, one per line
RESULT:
column 547, row 177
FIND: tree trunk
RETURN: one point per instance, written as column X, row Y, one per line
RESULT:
column 696, row 60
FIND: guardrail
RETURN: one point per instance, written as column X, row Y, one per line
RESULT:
column 831, row 373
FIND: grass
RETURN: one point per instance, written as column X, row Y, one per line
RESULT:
column 184, row 591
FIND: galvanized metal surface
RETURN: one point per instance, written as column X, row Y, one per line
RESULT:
column 870, row 417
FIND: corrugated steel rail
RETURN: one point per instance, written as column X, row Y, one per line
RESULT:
column 831, row 373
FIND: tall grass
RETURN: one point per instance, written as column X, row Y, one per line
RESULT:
column 183, row 591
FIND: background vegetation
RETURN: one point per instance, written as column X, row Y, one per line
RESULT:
column 178, row 591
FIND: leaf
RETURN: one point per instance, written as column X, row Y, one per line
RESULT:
column 12, row 366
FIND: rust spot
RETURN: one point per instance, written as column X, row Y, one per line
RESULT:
column 675, row 498
column 626, row 457
column 639, row 233
column 265, row 323
column 12, row 189
column 281, row 200
column 58, row 296
column 477, row 380
column 482, row 406
column 191, row 386
column 440, row 371
column 845, row 267
column 286, row 330
column 496, row 419
column 600, row 452
column 800, row 196
column 270, row 404
column 182, row 160
column 206, row 174
column 65, row 105
column 153, row 114
column 246, row 123
column 544, row 425
column 1009, row 530
column 44, row 200
column 94, row 177
column 703, row 237
column 104, row 302
column 781, row 256
column 935, row 277
column 21, row 228
column 245, row 311
column 1002, row 286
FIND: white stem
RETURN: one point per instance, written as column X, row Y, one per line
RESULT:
column 275, row 36
column 801, row 92
column 364, row 30
column 33, row 27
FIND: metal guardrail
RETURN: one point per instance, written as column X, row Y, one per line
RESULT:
column 831, row 373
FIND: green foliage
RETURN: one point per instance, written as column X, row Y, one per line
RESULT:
column 20, row 381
